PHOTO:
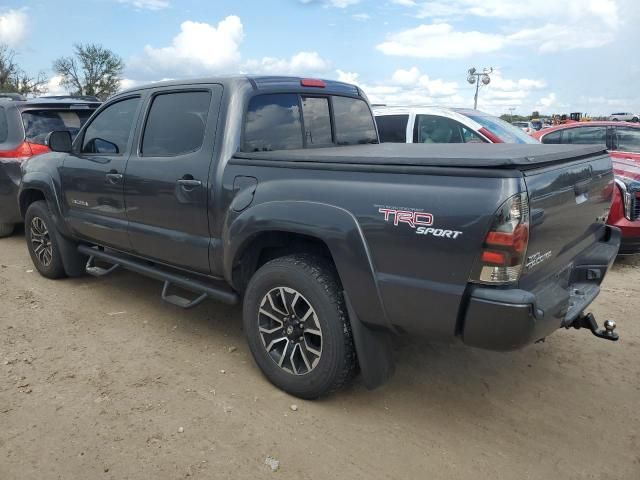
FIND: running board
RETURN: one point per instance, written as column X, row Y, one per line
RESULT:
column 204, row 290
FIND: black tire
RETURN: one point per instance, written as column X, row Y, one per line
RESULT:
column 40, row 232
column 6, row 229
column 635, row 119
column 316, row 283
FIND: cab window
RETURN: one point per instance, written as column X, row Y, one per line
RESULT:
column 585, row 135
column 109, row 132
column 392, row 128
column 627, row 139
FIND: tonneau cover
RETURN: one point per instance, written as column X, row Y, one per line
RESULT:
column 500, row 155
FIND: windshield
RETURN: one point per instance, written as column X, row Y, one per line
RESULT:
column 39, row 123
column 501, row 129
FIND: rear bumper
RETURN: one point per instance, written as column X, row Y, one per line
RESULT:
column 498, row 319
column 9, row 181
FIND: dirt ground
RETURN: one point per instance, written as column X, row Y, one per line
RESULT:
column 100, row 379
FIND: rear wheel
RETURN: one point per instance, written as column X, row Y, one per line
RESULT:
column 635, row 119
column 42, row 241
column 297, row 327
column 6, row 229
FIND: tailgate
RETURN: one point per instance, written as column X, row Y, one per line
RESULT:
column 569, row 205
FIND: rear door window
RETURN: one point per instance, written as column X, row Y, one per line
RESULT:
column 39, row 123
column 392, row 128
column 273, row 123
column 109, row 132
column 628, row 139
column 553, row 137
column 353, row 122
column 585, row 135
column 437, row 129
column 176, row 124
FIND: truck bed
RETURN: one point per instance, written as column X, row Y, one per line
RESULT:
column 471, row 155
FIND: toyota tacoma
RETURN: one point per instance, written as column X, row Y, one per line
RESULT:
column 274, row 192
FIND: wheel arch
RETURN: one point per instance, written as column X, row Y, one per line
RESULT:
column 40, row 186
column 296, row 227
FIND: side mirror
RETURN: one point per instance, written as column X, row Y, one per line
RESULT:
column 59, row 141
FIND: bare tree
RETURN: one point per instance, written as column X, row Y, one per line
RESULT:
column 15, row 80
column 91, row 70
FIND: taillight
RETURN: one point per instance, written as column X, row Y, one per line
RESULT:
column 505, row 246
column 24, row 151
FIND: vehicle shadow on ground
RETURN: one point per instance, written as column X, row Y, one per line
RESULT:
column 441, row 376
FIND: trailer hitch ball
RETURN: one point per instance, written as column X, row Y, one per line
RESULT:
column 589, row 321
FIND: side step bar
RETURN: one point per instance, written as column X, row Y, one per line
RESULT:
column 205, row 290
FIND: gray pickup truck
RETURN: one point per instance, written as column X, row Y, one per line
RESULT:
column 274, row 192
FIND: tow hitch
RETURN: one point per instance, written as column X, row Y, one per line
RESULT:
column 589, row 321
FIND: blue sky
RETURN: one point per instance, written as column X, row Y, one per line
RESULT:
column 552, row 55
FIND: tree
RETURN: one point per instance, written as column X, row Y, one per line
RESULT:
column 92, row 70
column 15, row 80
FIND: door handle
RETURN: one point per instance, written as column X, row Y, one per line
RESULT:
column 113, row 177
column 189, row 182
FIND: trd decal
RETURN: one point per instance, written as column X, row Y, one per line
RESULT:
column 411, row 218
column 536, row 259
column 417, row 219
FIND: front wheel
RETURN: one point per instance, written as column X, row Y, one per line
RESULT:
column 635, row 119
column 42, row 242
column 297, row 327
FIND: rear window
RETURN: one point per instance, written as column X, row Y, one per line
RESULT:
column 39, row 123
column 501, row 129
column 286, row 121
column 4, row 129
column 392, row 128
column 354, row 122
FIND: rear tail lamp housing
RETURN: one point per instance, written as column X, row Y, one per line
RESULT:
column 24, row 151
column 630, row 189
column 505, row 245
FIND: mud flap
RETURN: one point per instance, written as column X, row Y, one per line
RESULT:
column 374, row 350
column 74, row 263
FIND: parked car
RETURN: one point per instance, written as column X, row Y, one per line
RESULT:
column 623, row 141
column 274, row 192
column 624, row 117
column 526, row 127
column 444, row 125
column 24, row 126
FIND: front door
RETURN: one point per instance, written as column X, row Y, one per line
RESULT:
column 166, row 185
column 92, row 175
column 626, row 143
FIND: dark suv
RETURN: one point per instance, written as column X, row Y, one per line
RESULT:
column 24, row 126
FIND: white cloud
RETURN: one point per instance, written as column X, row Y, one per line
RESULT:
column 333, row 3
column 439, row 40
column 348, row 77
column 300, row 63
column 147, row 4
column 546, row 102
column 54, row 86
column 361, row 17
column 201, row 49
column 13, row 27
column 414, row 78
column 543, row 25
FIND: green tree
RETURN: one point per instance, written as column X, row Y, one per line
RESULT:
column 15, row 80
column 91, row 70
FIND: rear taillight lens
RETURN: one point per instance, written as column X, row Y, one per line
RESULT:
column 24, row 151
column 505, row 245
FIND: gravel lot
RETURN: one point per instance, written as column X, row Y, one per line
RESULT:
column 100, row 379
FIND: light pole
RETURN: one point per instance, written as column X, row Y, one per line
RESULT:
column 477, row 77
column 511, row 109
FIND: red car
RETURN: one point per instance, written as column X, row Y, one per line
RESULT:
column 623, row 141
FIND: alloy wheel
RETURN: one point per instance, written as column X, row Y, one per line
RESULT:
column 41, row 241
column 290, row 330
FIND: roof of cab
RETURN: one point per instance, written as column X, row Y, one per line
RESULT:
column 259, row 82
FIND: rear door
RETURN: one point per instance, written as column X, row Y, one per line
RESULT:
column 167, row 187
column 92, row 175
